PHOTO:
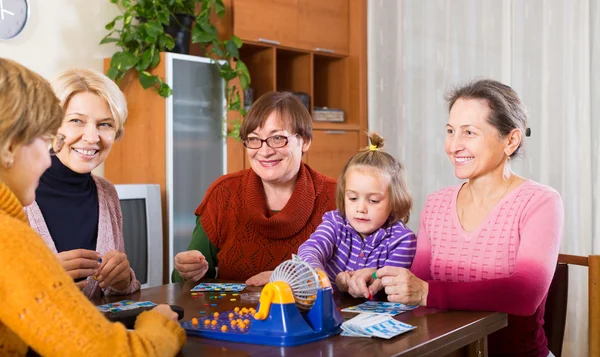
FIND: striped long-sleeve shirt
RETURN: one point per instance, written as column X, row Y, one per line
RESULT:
column 336, row 247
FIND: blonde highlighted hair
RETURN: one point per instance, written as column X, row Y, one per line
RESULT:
column 28, row 106
column 74, row 81
column 373, row 158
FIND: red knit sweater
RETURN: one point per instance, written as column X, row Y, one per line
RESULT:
column 237, row 220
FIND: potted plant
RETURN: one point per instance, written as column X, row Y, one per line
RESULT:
column 147, row 27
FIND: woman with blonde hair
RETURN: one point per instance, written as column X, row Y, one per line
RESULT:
column 42, row 309
column 78, row 214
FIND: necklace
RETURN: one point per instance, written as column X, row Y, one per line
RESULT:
column 461, row 210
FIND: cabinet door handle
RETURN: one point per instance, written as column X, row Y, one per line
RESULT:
column 326, row 50
column 266, row 40
column 335, row 132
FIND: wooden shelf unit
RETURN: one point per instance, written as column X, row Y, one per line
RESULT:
column 312, row 46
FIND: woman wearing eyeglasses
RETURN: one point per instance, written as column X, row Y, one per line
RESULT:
column 42, row 310
column 78, row 214
column 251, row 221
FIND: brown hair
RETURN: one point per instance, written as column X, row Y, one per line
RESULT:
column 507, row 110
column 290, row 109
column 75, row 81
column 28, row 106
column 373, row 157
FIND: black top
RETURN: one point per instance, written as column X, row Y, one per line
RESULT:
column 69, row 203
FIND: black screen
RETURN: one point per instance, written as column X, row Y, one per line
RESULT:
column 135, row 234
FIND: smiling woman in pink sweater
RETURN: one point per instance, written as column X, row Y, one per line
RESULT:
column 491, row 243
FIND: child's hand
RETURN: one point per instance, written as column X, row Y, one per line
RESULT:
column 341, row 280
column 358, row 282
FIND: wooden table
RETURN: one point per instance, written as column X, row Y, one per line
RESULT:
column 438, row 333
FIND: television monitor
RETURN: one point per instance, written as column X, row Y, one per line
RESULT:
column 142, row 231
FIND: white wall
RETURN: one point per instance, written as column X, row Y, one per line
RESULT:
column 63, row 34
column 548, row 51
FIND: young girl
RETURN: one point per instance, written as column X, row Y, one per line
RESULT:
column 367, row 231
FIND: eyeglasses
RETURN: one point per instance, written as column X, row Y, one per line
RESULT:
column 275, row 141
column 56, row 143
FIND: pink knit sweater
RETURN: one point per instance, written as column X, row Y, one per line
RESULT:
column 506, row 264
column 110, row 233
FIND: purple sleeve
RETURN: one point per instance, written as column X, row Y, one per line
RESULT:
column 319, row 248
column 402, row 247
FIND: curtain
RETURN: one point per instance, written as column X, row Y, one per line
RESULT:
column 545, row 50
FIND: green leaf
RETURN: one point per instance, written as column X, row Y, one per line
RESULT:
column 153, row 28
column 238, row 42
column 163, row 17
column 147, row 80
column 243, row 73
column 208, row 28
column 232, row 49
column 155, row 59
column 145, row 62
column 219, row 8
column 109, row 26
column 112, row 73
column 127, row 20
column 164, row 90
column 108, row 40
column 123, row 61
column 201, row 37
column 244, row 81
column 216, row 48
column 166, row 42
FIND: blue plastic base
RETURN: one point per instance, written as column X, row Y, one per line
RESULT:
column 285, row 325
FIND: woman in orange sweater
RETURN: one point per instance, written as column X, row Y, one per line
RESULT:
column 42, row 308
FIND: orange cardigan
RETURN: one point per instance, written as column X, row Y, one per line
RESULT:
column 42, row 308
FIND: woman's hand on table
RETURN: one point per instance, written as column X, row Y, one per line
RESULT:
column 191, row 265
column 403, row 286
column 114, row 271
column 260, row 279
column 80, row 263
column 166, row 311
